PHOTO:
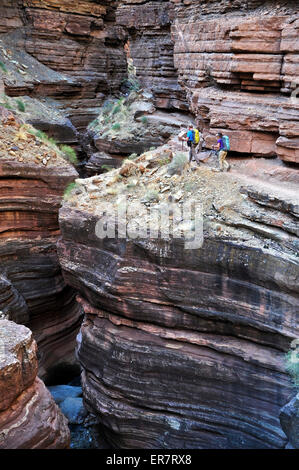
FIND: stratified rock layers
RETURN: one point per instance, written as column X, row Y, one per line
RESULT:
column 29, row 417
column 32, row 290
column 79, row 39
column 235, row 63
column 182, row 348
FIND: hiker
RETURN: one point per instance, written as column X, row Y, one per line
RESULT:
column 182, row 137
column 199, row 141
column 222, row 147
column 190, row 141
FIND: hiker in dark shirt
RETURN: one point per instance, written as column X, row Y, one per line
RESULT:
column 222, row 153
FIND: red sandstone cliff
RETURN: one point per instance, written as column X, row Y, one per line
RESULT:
column 29, row 418
column 236, row 62
column 186, row 348
column 32, row 290
column 234, row 65
column 79, row 41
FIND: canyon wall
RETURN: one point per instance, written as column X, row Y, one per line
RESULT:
column 29, row 418
column 178, row 348
column 32, row 290
column 233, row 64
column 79, row 41
column 185, row 348
column 236, row 63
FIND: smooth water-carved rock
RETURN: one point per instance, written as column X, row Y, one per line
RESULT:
column 29, row 418
column 186, row 347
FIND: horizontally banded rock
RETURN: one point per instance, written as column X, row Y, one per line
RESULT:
column 180, row 347
column 79, row 45
column 151, row 48
column 32, row 290
column 235, row 64
column 29, row 417
column 129, row 125
column 81, row 41
column 237, row 67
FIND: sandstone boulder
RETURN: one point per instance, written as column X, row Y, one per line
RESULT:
column 29, row 418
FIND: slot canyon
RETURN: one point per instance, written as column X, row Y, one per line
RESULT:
column 141, row 338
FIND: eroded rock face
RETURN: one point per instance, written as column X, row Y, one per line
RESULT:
column 235, row 63
column 79, row 40
column 29, row 418
column 181, row 347
column 151, row 48
column 32, row 290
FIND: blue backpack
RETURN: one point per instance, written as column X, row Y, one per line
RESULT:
column 191, row 135
column 226, row 143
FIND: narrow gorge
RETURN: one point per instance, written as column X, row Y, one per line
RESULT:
column 182, row 328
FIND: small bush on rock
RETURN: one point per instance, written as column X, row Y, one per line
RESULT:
column 68, row 190
column 21, row 105
column 69, row 154
column 116, row 127
column 3, row 67
column 177, row 164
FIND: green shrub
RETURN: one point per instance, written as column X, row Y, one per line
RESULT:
column 132, row 84
column 116, row 127
column 93, row 123
column 68, row 190
column 163, row 161
column 293, row 367
column 39, row 134
column 144, row 120
column 21, row 105
column 6, row 105
column 151, row 196
column 177, row 164
column 116, row 109
column 3, row 67
column 69, row 154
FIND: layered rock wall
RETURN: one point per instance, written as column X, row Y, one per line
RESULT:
column 151, row 48
column 185, row 348
column 79, row 40
column 32, row 290
column 178, row 348
column 234, row 64
column 235, row 61
column 29, row 418
column 240, row 70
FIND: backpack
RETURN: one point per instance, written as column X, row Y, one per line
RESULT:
column 226, row 143
column 196, row 136
column 193, row 136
